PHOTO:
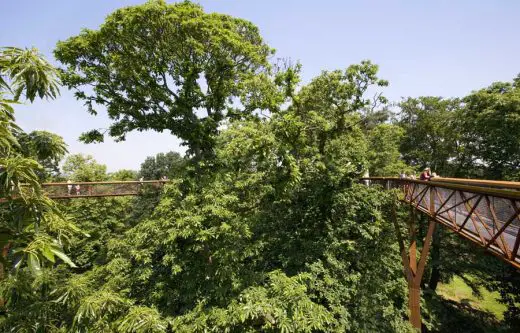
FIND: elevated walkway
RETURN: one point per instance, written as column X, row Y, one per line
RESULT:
column 484, row 212
column 97, row 189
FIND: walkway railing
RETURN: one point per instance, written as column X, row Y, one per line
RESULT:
column 487, row 214
column 97, row 189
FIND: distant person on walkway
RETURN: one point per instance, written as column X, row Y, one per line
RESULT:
column 366, row 175
column 78, row 187
column 403, row 175
column 426, row 175
column 69, row 186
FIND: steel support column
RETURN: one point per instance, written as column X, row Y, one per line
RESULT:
column 413, row 271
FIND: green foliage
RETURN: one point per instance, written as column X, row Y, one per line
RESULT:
column 33, row 231
column 281, row 305
column 102, row 219
column 45, row 147
column 171, row 165
column 384, row 156
column 490, row 121
column 93, row 136
column 275, row 237
column 154, row 66
column 28, row 72
column 123, row 175
column 431, row 136
column 84, row 168
column 271, row 234
column 141, row 319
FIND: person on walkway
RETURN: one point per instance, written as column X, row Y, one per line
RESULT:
column 78, row 187
column 426, row 175
column 403, row 175
column 69, row 186
column 366, row 174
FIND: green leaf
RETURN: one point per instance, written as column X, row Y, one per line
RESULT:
column 63, row 257
column 48, row 254
column 34, row 263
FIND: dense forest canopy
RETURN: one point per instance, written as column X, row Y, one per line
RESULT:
column 263, row 225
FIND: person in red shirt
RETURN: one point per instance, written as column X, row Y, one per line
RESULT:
column 426, row 175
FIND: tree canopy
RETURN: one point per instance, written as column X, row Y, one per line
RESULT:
column 169, row 165
column 84, row 168
column 160, row 66
column 33, row 231
column 263, row 225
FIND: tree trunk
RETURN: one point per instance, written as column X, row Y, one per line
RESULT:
column 435, row 260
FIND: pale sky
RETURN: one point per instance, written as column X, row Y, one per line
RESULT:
column 442, row 48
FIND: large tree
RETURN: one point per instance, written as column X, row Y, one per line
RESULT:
column 45, row 147
column 84, row 168
column 490, row 124
column 170, row 165
column 32, row 229
column 277, row 236
column 160, row 66
column 430, row 137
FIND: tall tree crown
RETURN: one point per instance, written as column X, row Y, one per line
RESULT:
column 162, row 66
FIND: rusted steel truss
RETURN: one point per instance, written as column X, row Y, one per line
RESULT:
column 97, row 189
column 487, row 216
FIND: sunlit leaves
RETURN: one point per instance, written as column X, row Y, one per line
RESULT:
column 141, row 319
column 160, row 66
column 84, row 168
column 100, row 309
column 40, row 250
column 93, row 136
column 29, row 73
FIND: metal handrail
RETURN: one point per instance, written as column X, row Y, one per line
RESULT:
column 488, row 216
column 509, row 193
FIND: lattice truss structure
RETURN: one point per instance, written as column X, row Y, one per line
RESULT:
column 95, row 189
column 489, row 217
column 98, row 189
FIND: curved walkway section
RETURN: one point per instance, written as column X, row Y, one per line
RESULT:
column 487, row 214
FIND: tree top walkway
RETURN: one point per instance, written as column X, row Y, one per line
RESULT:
column 484, row 212
column 98, row 189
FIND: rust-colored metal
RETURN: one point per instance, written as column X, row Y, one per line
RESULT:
column 501, row 192
column 480, row 182
column 487, row 216
column 493, row 208
column 78, row 190
column 413, row 272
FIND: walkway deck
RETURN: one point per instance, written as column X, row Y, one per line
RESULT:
column 487, row 214
column 98, row 189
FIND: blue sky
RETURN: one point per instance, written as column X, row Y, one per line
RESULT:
column 442, row 48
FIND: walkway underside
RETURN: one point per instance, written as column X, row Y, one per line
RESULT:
column 487, row 216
